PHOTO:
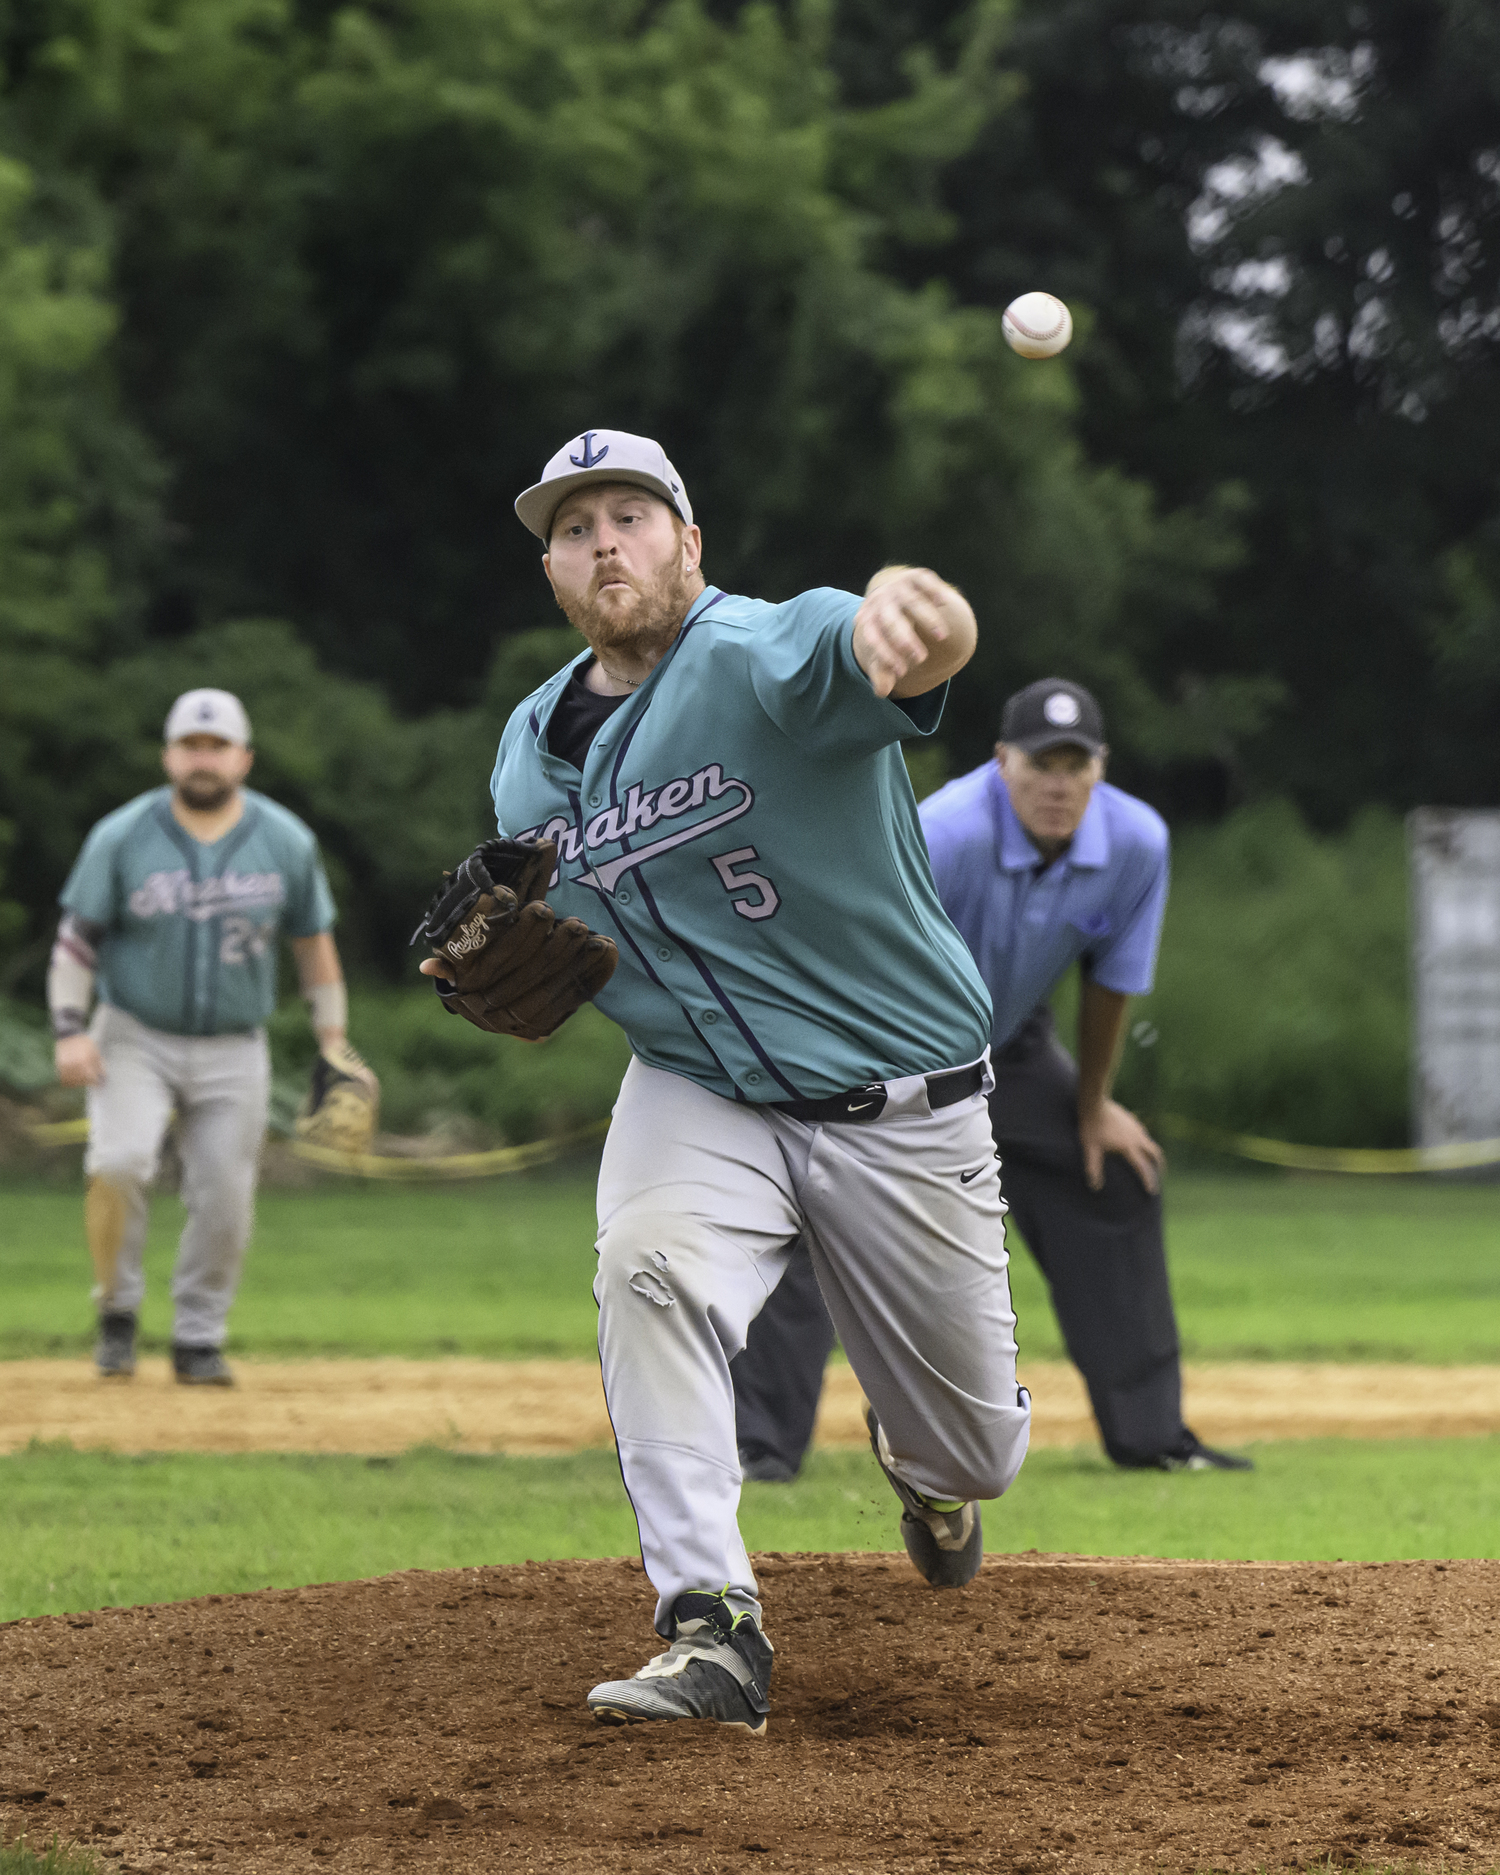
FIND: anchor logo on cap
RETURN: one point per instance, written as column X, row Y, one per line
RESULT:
column 589, row 457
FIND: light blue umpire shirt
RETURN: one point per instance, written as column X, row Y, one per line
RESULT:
column 1101, row 903
column 744, row 829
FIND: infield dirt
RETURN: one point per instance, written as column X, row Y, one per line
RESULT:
column 540, row 1407
column 1059, row 1714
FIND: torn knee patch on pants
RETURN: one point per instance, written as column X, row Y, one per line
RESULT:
column 648, row 1284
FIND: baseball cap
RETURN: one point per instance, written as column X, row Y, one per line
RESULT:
column 207, row 713
column 1052, row 714
column 601, row 456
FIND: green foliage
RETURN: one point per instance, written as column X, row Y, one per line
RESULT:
column 1282, row 998
column 76, row 490
column 25, row 1050
column 366, row 267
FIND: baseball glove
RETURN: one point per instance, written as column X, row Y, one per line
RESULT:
column 516, row 967
column 342, row 1105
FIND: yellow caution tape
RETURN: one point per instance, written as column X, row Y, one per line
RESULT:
column 452, row 1165
column 59, row 1132
column 1461, row 1156
column 381, row 1165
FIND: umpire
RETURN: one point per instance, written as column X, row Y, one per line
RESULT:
column 1040, row 863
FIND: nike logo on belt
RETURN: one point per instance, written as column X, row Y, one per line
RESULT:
column 965, row 1178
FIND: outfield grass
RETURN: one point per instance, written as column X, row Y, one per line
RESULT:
column 88, row 1530
column 55, row 1858
column 1270, row 1267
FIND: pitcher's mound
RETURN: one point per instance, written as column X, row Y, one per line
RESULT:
column 1059, row 1714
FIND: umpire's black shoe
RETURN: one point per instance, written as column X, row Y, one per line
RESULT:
column 200, row 1367
column 945, row 1541
column 761, row 1467
column 717, row 1667
column 1194, row 1455
column 114, row 1352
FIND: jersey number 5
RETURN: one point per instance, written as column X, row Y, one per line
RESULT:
column 768, row 901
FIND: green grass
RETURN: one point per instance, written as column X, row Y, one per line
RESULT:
column 88, row 1530
column 1278, row 1268
column 501, row 1268
column 1263, row 1267
column 58, row 1858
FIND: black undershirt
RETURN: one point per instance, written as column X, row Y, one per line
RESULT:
column 577, row 717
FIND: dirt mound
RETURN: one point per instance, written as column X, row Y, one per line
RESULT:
column 558, row 1406
column 1059, row 1714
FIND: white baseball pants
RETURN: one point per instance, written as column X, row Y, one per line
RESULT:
column 700, row 1202
column 219, row 1086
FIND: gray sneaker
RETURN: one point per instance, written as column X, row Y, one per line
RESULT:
column 945, row 1542
column 717, row 1667
column 114, row 1351
column 200, row 1367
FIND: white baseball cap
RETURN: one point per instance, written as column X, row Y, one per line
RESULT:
column 208, row 713
column 601, row 456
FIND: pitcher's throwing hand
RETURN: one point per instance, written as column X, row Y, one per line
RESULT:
column 913, row 632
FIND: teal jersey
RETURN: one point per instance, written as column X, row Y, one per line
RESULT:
column 744, row 829
column 189, row 942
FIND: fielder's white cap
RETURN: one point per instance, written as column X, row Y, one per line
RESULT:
column 208, row 713
column 601, row 456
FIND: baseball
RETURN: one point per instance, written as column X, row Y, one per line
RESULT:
column 1036, row 325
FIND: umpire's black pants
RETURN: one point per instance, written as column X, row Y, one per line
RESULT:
column 1100, row 1251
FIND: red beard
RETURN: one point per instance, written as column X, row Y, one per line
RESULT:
column 646, row 627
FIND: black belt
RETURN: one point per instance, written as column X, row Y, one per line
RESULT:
column 868, row 1102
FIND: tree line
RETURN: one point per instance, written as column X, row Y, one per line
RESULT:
column 294, row 298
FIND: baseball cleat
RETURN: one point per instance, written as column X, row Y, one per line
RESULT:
column 1194, row 1455
column 944, row 1540
column 717, row 1667
column 114, row 1352
column 200, row 1367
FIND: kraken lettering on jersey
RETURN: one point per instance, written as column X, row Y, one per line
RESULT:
column 165, row 894
column 640, row 811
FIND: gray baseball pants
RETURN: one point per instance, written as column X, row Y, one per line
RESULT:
column 701, row 1200
column 1102, row 1254
column 219, row 1086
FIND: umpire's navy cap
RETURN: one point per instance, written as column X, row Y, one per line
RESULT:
column 1052, row 714
column 601, row 456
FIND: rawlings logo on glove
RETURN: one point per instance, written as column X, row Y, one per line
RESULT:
column 512, row 966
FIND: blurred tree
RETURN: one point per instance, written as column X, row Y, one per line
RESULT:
column 374, row 264
column 77, row 517
column 1286, row 219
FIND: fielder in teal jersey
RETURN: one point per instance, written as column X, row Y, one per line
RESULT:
column 724, row 784
column 172, row 916
column 190, row 929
